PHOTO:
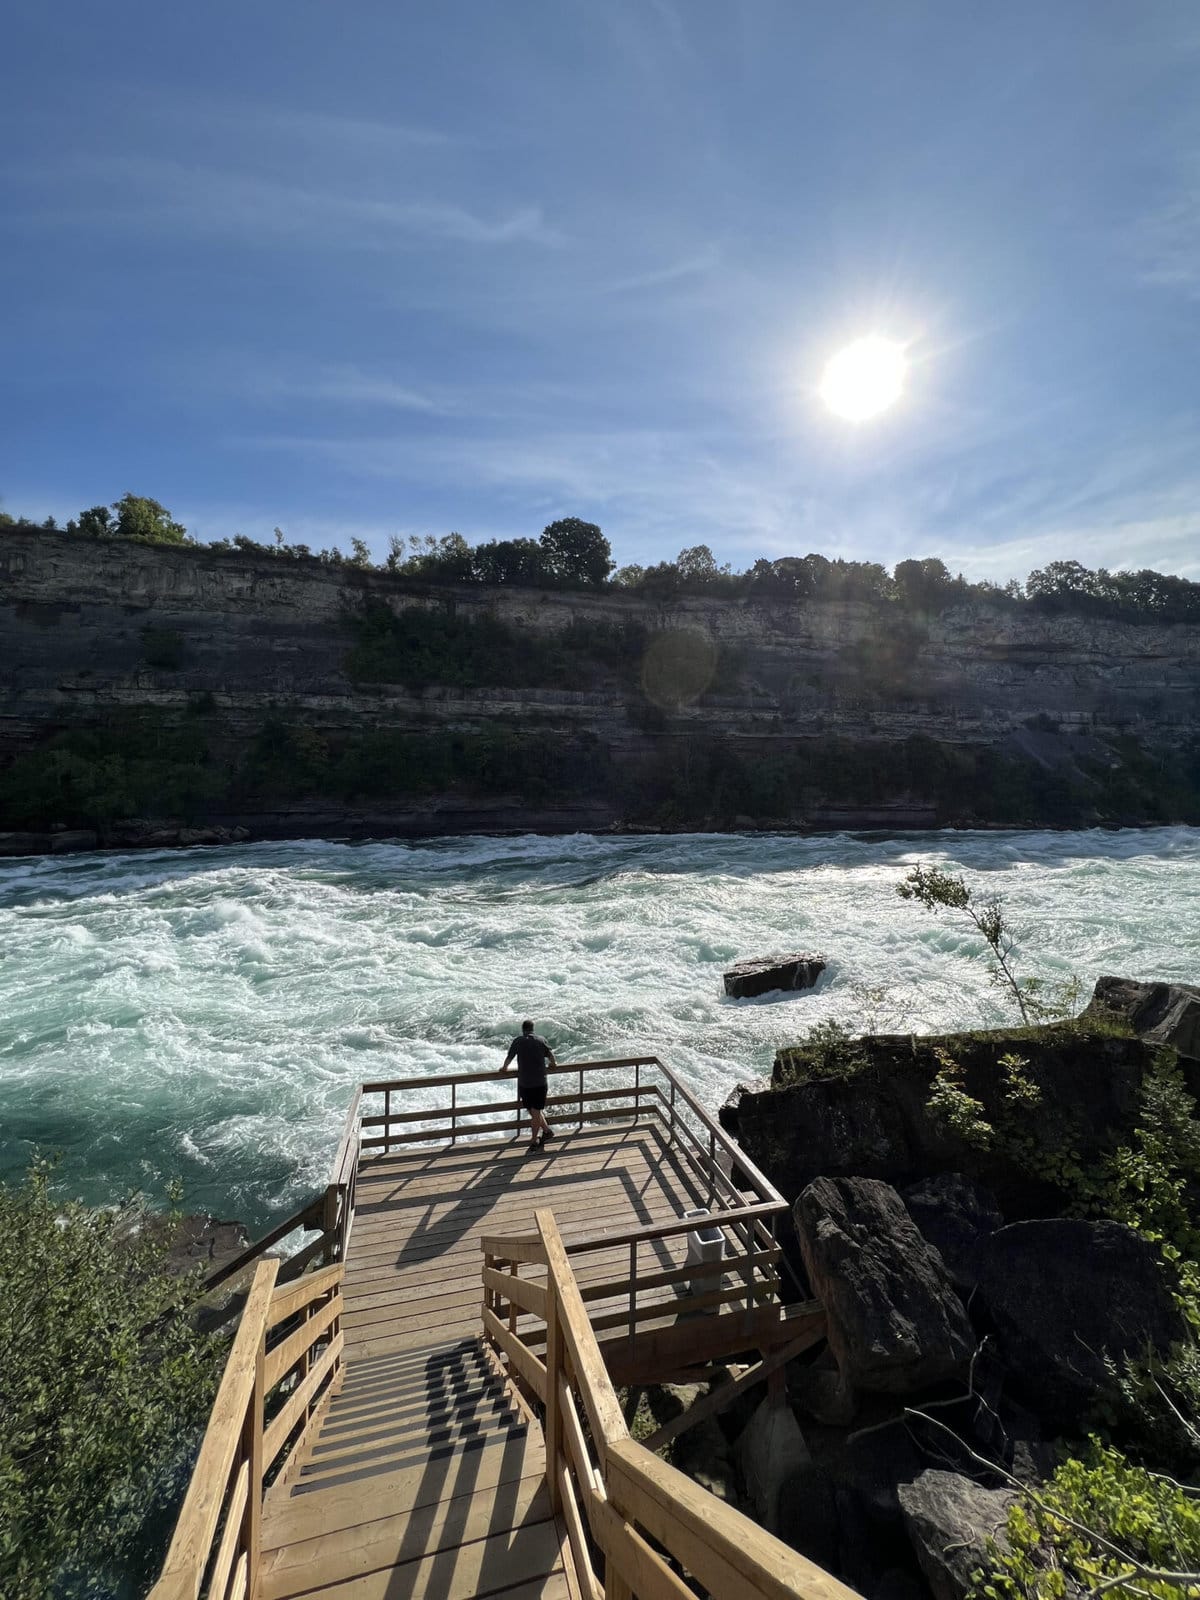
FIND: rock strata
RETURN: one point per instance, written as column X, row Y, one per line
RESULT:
column 765, row 974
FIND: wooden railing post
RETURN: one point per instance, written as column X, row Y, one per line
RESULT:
column 633, row 1277
column 513, row 1271
column 387, row 1122
column 254, row 1452
column 329, row 1226
column 554, row 1367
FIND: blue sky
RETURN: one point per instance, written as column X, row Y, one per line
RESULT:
column 373, row 269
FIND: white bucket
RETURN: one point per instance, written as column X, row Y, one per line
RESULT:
column 703, row 1245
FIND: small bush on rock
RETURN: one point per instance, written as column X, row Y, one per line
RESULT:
column 829, row 1051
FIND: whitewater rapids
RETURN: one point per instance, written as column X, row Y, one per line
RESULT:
column 205, row 1014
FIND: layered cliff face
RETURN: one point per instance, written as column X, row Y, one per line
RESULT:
column 92, row 630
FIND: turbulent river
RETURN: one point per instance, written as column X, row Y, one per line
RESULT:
column 204, row 1015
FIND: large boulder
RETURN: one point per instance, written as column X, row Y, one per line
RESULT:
column 764, row 974
column 1161, row 1013
column 727, row 1113
column 895, row 1323
column 950, row 1521
column 1065, row 1294
column 954, row 1213
column 771, row 1452
column 876, row 1122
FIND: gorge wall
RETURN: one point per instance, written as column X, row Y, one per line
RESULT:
column 92, row 631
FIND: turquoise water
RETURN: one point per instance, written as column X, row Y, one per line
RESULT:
column 205, row 1014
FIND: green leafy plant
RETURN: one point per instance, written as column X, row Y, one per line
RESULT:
column 104, row 1381
column 1101, row 1525
column 957, row 1111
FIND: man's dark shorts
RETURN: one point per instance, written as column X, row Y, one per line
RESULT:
column 532, row 1096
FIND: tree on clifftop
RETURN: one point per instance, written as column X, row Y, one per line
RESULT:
column 576, row 552
column 137, row 517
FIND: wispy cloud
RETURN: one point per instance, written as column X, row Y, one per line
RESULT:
column 1168, row 240
column 694, row 266
column 345, row 385
column 207, row 200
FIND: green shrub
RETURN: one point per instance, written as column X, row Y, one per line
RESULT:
column 1099, row 1519
column 103, row 1383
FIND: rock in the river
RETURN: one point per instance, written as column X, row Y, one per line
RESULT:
column 950, row 1520
column 895, row 1322
column 25, row 844
column 954, row 1213
column 764, row 974
column 1064, row 1293
column 1161, row 1013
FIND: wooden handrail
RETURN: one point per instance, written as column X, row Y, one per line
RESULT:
column 527, row 1247
column 307, row 1218
column 496, row 1075
column 628, row 1503
column 287, row 1335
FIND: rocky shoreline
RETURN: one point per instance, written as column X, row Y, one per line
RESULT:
column 979, row 1318
column 482, row 821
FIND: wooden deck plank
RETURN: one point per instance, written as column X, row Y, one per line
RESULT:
column 520, row 1555
column 303, row 1516
column 391, row 1541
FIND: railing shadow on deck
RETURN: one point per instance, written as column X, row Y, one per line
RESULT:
column 396, row 1118
column 635, row 1524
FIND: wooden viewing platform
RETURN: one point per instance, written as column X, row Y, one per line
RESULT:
column 431, row 1412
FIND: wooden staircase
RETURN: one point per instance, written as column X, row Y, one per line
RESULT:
column 425, row 1479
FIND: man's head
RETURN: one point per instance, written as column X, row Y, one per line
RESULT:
column 527, row 1026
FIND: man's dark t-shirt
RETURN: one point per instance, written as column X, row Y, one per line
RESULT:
column 531, row 1053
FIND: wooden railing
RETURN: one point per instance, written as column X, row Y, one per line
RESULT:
column 742, row 1204
column 285, row 1361
column 329, row 1216
column 629, row 1088
column 635, row 1523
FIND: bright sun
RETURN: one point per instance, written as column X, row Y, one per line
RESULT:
column 864, row 379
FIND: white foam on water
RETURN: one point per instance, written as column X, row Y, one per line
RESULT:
column 206, row 1014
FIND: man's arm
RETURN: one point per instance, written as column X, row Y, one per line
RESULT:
column 550, row 1057
column 512, row 1050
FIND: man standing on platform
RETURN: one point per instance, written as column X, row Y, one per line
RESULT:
column 532, row 1055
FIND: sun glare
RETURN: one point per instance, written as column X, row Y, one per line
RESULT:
column 864, row 379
